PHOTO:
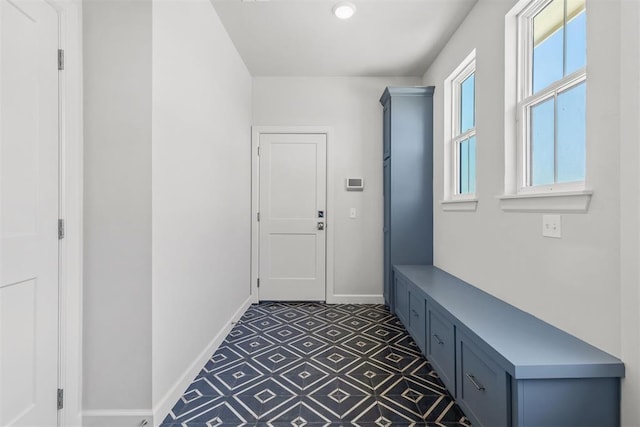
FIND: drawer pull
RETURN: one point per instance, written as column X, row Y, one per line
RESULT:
column 475, row 383
column 438, row 339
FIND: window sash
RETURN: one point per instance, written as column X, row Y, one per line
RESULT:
column 456, row 93
column 457, row 172
column 526, row 100
column 524, row 118
column 452, row 134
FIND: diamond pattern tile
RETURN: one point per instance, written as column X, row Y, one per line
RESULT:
column 285, row 333
column 312, row 364
column 277, row 359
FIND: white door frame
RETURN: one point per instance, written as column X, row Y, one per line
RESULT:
column 256, row 131
column 71, row 207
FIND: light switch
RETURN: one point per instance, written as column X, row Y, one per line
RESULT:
column 552, row 226
column 352, row 213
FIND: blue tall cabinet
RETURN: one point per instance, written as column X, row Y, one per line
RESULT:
column 408, row 179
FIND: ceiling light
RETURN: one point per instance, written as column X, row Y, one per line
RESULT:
column 344, row 10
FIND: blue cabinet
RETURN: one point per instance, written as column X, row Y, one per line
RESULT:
column 401, row 297
column 482, row 390
column 386, row 136
column 442, row 346
column 408, row 179
column 598, row 400
column 411, row 309
column 417, row 317
column 388, row 271
column 505, row 367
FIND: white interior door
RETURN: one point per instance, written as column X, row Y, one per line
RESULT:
column 28, row 213
column 292, row 239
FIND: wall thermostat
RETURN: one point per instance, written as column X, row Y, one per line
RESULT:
column 355, row 184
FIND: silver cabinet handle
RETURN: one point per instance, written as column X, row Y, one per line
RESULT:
column 438, row 339
column 475, row 383
column 321, row 226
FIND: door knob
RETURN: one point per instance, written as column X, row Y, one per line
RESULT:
column 321, row 226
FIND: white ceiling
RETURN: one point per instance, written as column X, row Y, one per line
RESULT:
column 303, row 38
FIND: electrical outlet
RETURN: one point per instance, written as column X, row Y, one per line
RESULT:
column 552, row 226
column 352, row 213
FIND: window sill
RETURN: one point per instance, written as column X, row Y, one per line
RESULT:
column 459, row 205
column 563, row 202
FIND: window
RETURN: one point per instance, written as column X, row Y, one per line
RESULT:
column 460, row 132
column 465, row 135
column 551, row 95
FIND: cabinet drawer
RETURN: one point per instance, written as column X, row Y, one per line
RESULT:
column 442, row 347
column 482, row 386
column 417, row 318
column 402, row 300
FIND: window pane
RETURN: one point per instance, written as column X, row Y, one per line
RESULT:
column 467, row 103
column 542, row 143
column 464, row 167
column 576, row 36
column 467, row 166
column 571, row 134
column 548, row 34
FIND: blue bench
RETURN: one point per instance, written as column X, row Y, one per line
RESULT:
column 505, row 367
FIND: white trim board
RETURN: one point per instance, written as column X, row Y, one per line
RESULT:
column 170, row 398
column 355, row 299
column 70, row 209
column 256, row 131
column 116, row 418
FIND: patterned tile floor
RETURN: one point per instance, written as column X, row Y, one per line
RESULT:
column 313, row 364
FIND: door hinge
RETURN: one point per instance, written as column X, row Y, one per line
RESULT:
column 258, row 216
column 60, row 59
column 60, row 399
column 60, row 229
column 258, row 150
column 258, row 282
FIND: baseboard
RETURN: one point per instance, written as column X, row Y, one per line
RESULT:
column 355, row 299
column 117, row 418
column 162, row 408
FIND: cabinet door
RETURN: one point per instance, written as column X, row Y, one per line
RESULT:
column 482, row 386
column 388, row 294
column 417, row 317
column 442, row 347
column 386, row 138
column 586, row 402
column 402, row 300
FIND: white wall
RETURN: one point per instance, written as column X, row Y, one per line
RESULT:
column 350, row 106
column 575, row 282
column 167, row 200
column 117, row 206
column 201, row 190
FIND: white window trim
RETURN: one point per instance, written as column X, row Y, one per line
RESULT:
column 453, row 201
column 518, row 195
column 460, row 205
column 557, row 202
